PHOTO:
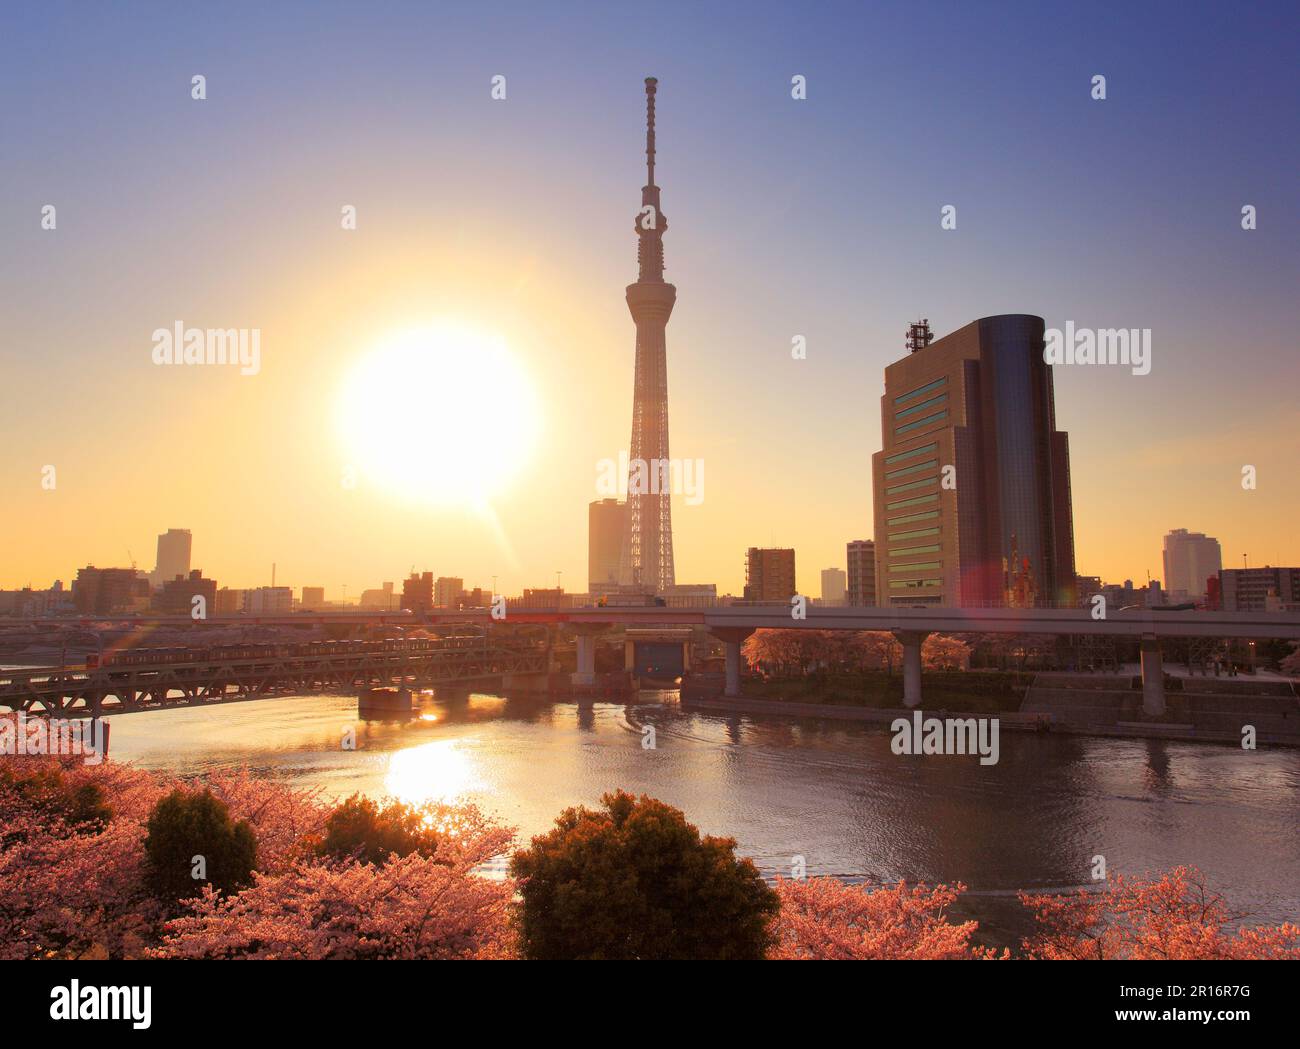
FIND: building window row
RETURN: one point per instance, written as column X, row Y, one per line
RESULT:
column 917, row 501
column 929, row 515
column 911, row 453
column 916, row 566
column 921, row 389
column 929, row 464
column 910, row 485
column 937, row 417
column 912, row 584
column 903, row 551
column 915, row 534
column 922, row 406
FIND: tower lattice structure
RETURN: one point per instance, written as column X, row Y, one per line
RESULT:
column 647, row 554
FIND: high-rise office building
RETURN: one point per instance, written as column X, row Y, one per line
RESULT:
column 605, row 520
column 769, row 574
column 1191, row 560
column 646, row 560
column 833, row 586
column 862, row 573
column 173, row 556
column 972, row 486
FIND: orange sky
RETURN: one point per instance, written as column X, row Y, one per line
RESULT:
column 515, row 219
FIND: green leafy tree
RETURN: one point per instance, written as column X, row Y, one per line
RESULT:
column 359, row 829
column 44, row 789
column 637, row 881
column 190, row 834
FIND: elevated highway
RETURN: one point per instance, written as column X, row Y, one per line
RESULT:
column 733, row 623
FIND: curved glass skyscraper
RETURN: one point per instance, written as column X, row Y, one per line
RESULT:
column 972, row 486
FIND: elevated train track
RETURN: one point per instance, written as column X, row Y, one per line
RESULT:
column 144, row 679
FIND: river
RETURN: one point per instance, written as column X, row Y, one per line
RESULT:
column 831, row 792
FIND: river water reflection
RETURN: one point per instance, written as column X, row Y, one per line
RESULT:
column 831, row 792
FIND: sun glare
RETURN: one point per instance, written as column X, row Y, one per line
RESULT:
column 442, row 414
column 438, row 771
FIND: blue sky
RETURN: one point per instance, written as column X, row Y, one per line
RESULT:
column 816, row 217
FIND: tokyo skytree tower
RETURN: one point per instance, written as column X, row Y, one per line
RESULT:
column 647, row 554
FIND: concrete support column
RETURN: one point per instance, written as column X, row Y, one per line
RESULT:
column 732, row 638
column 911, row 640
column 1153, row 678
column 586, row 672
column 733, row 668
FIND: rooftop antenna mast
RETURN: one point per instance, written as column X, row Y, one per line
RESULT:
column 919, row 335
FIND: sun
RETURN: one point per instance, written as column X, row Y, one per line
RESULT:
column 441, row 414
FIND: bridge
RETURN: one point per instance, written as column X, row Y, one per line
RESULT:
column 731, row 624
column 202, row 677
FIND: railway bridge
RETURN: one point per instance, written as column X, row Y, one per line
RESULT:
column 198, row 677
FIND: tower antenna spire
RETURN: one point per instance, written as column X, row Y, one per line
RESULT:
column 650, row 86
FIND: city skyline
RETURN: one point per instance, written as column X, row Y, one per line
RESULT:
column 1149, row 452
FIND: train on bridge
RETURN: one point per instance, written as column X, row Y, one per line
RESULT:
column 140, row 656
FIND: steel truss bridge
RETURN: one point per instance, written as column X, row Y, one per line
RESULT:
column 82, row 692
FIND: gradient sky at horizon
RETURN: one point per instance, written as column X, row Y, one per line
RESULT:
column 818, row 217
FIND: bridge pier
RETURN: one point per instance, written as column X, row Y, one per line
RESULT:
column 911, row 640
column 1153, row 678
column 732, row 638
column 585, row 638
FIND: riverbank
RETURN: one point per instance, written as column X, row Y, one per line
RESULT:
column 980, row 691
column 1199, row 711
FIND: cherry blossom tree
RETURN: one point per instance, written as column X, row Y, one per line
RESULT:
column 1174, row 917
column 827, row 919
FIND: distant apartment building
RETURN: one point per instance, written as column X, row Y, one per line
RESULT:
column 173, row 558
column 269, row 600
column 972, row 486
column 447, row 591
column 605, row 520
column 177, row 595
column 1264, row 589
column 691, row 595
column 381, row 598
column 1086, row 587
column 861, row 591
column 99, row 591
column 417, row 592
column 834, row 583
column 769, row 574
column 1126, row 595
column 543, row 597
column 1191, row 560
column 29, row 602
column 476, row 598
column 228, row 602
column 313, row 598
